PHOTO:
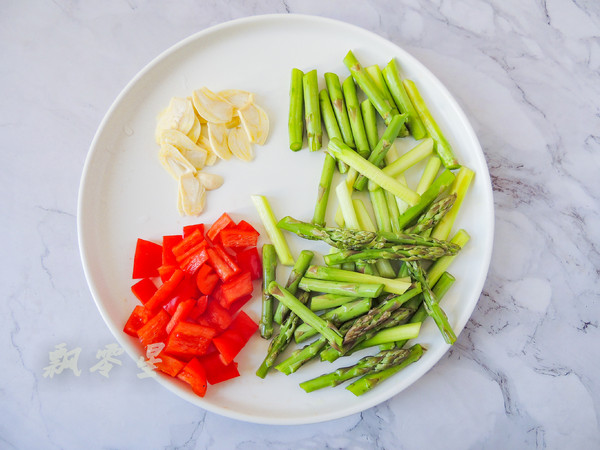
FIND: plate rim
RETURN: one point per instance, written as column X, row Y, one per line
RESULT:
column 117, row 333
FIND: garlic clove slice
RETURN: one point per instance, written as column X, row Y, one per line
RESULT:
column 255, row 122
column 210, row 181
column 195, row 131
column 189, row 149
column 179, row 115
column 239, row 99
column 191, row 195
column 212, row 107
column 174, row 162
column 239, row 144
column 217, row 135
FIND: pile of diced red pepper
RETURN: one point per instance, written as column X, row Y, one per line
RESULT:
column 195, row 311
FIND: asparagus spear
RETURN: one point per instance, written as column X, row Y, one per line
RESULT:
column 433, row 215
column 324, row 190
column 429, row 174
column 357, row 289
column 390, row 335
column 327, row 301
column 269, row 265
column 390, row 285
column 312, row 112
column 459, row 187
column 375, row 73
column 368, row 364
column 331, row 125
column 327, row 330
column 381, row 210
column 275, row 235
column 442, row 146
column 355, row 118
column 369, row 381
column 441, row 265
column 339, row 107
column 295, row 121
column 419, row 152
column 302, row 356
column 397, row 252
column 369, row 115
column 293, row 281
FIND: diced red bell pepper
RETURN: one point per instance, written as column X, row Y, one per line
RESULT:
column 165, row 272
column 189, row 339
column 199, row 309
column 206, row 279
column 219, row 265
column 172, row 304
column 188, row 243
column 245, row 226
column 147, row 259
column 181, row 313
column 191, row 252
column 165, row 292
column 144, row 290
column 169, row 365
column 155, row 330
column 237, row 287
column 249, row 260
column 216, row 316
column 222, row 222
column 233, row 339
column 194, row 262
column 138, row 318
column 228, row 258
column 187, row 288
column 238, row 304
column 189, row 229
column 216, row 370
column 194, row 374
column 236, row 238
column 168, row 242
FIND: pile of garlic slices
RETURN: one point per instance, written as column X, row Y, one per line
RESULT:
column 195, row 132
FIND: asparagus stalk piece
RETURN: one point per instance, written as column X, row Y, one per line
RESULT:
column 327, row 330
column 419, row 152
column 391, row 285
column 327, row 301
column 390, row 335
column 293, row 281
column 459, row 187
column 356, row 289
column 397, row 252
column 434, row 310
column 339, row 107
column 378, row 154
column 369, row 381
column 301, row 356
column 377, row 76
column 429, row 174
column 336, row 316
column 324, row 190
column 312, row 112
column 367, row 85
column 442, row 146
column 402, row 100
column 275, row 235
column 355, row 116
column 381, row 210
column 368, row 364
column 433, row 215
column 331, row 125
column 369, row 115
column 339, row 150
column 441, row 265
column 344, row 196
column 269, row 266
column 295, row 121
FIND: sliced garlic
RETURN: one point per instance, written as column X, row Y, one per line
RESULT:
column 210, row 181
column 191, row 196
column 204, row 142
column 234, row 122
column 239, row 144
column 195, row 131
column 179, row 115
column 239, row 99
column 217, row 135
column 189, row 149
column 174, row 162
column 255, row 122
column 212, row 107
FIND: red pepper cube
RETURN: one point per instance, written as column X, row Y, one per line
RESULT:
column 138, row 318
column 194, row 374
column 144, row 290
column 187, row 288
column 168, row 242
column 216, row 370
column 169, row 365
column 155, row 330
column 236, row 238
column 188, row 243
column 199, row 309
column 181, row 313
column 237, row 287
column 216, row 316
column 222, row 222
column 189, row 229
column 219, row 265
column 245, row 226
column 238, row 304
column 147, row 259
column 194, row 262
column 165, row 272
column 250, row 261
column 233, row 339
column 165, row 292
column 206, row 279
column 189, row 339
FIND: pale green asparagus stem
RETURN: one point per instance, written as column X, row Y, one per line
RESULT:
column 429, row 174
column 339, row 107
column 331, row 125
column 459, row 187
column 275, row 235
column 298, row 271
column 312, row 111
column 355, row 117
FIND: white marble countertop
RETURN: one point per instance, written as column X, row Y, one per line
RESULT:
column 524, row 372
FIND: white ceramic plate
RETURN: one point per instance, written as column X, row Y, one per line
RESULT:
column 126, row 194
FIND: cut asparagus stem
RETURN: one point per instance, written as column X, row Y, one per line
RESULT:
column 344, row 196
column 390, row 335
column 378, row 154
column 375, row 73
column 293, row 281
column 369, row 115
column 325, row 329
column 324, row 190
column 442, row 146
column 327, row 301
column 336, row 316
column 421, row 151
column 434, row 214
column 441, row 265
column 296, row 121
column 391, row 285
column 398, row 252
column 368, row 364
column 341, row 151
column 275, row 235
column 355, row 116
column 367, row 85
column 356, row 289
column 269, row 266
column 393, row 210
column 440, row 184
column 459, row 187
column 302, row 356
column 402, row 100
column 434, row 310
column 312, row 111
column 339, row 107
column 369, row 381
column 380, row 208
column 339, row 217
column 331, row 125
column 429, row 174
column 364, row 219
